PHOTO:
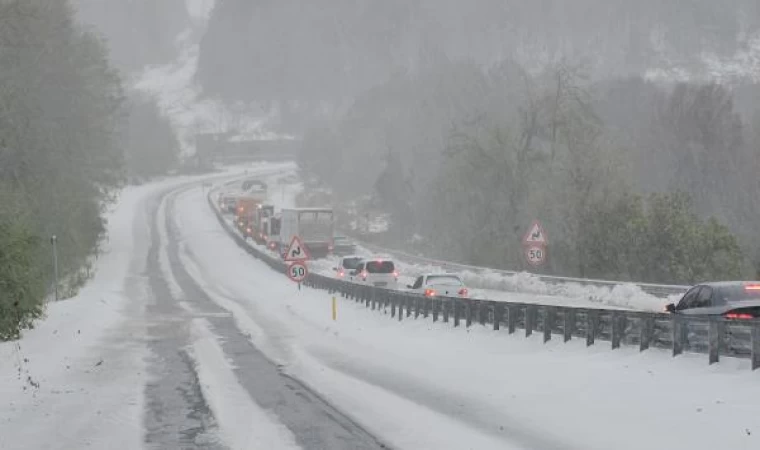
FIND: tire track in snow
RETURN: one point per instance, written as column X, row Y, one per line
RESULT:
column 314, row 423
column 176, row 416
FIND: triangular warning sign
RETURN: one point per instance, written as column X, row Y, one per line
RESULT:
column 297, row 251
column 535, row 234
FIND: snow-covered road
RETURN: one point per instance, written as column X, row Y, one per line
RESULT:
column 183, row 340
column 425, row 385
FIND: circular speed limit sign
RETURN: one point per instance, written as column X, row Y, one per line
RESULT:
column 535, row 255
column 297, row 271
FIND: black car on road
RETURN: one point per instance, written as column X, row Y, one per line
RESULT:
column 729, row 299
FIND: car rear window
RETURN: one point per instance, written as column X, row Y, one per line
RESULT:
column 351, row 263
column 380, row 267
column 444, row 280
column 736, row 293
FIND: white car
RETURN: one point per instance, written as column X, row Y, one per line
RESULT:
column 379, row 272
column 439, row 284
column 346, row 265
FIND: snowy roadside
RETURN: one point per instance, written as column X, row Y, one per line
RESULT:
column 424, row 385
column 84, row 361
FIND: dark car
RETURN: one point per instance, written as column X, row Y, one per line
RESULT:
column 729, row 299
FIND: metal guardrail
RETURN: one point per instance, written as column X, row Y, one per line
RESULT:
column 713, row 336
column 658, row 290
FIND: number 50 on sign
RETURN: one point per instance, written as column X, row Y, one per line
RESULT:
column 297, row 271
column 535, row 254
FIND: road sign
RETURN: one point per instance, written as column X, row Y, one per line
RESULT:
column 297, row 251
column 297, row 271
column 535, row 234
column 535, row 254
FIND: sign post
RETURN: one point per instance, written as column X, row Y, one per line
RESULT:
column 535, row 242
column 297, row 255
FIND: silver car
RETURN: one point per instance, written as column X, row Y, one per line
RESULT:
column 729, row 299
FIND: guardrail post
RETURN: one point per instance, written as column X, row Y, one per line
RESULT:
column 408, row 306
column 646, row 325
column 427, row 305
column 393, row 305
column 568, row 324
column 436, row 306
column 498, row 314
column 617, row 332
column 530, row 319
column 401, row 304
column 482, row 312
column 678, row 325
column 755, row 346
column 455, row 305
column 592, row 324
column 416, row 307
column 468, row 313
column 511, row 318
column 548, row 323
column 714, row 334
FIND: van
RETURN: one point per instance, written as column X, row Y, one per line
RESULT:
column 378, row 272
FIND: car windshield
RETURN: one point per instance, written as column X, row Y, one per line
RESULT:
column 380, row 267
column 351, row 263
column 736, row 293
column 444, row 280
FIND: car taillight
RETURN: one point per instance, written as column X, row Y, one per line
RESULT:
column 752, row 287
column 429, row 292
column 341, row 273
column 248, row 230
column 395, row 273
column 738, row 316
column 272, row 245
column 463, row 292
column 364, row 275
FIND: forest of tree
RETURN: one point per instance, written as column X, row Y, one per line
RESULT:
column 322, row 54
column 68, row 137
column 632, row 180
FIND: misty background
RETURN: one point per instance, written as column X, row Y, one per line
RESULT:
column 630, row 129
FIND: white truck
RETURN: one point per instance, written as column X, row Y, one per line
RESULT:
column 314, row 226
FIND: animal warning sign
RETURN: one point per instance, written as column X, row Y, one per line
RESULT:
column 535, row 235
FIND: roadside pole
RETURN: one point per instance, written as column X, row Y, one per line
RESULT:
column 54, row 242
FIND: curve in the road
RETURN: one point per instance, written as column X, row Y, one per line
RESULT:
column 178, row 416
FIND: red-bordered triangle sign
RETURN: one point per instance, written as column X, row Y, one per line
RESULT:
column 536, row 234
column 297, row 251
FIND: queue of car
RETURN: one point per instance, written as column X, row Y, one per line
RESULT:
column 734, row 300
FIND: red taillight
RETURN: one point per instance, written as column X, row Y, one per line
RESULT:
column 364, row 275
column 742, row 316
column 272, row 245
column 752, row 287
column 429, row 292
column 463, row 292
column 341, row 273
column 395, row 273
column 248, row 230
